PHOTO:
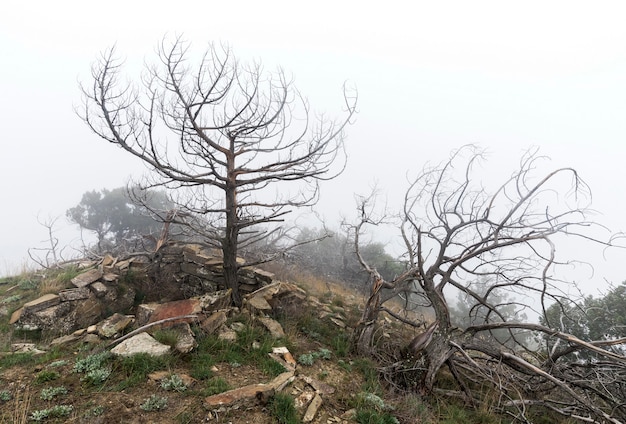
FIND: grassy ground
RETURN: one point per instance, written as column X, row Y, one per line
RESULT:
column 80, row 384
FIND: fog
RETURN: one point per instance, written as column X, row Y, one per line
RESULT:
column 431, row 76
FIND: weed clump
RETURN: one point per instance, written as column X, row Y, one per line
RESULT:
column 154, row 403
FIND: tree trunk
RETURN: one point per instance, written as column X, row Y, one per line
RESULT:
column 231, row 232
column 364, row 332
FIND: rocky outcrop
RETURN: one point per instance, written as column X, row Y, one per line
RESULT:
column 188, row 273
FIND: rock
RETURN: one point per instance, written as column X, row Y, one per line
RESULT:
column 257, row 305
column 339, row 323
column 216, row 301
column 99, row 289
column 304, row 399
column 211, row 323
column 91, row 339
column 87, row 278
column 186, row 341
column 289, row 301
column 65, row 339
column 42, row 302
column 247, row 394
column 141, row 343
column 274, row 327
column 143, row 313
column 15, row 316
column 53, row 318
column 114, row 325
column 175, row 309
column 110, row 277
column 286, row 356
column 311, row 411
column 78, row 293
column 227, row 334
column 319, row 387
column 26, row 348
column 88, row 312
column 108, row 261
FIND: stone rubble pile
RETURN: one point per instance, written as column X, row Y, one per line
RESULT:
column 101, row 307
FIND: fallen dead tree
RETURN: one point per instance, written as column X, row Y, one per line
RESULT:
column 496, row 247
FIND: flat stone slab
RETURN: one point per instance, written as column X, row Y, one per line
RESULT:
column 115, row 324
column 175, row 309
column 78, row 293
column 274, row 327
column 87, row 278
column 141, row 343
column 258, row 304
column 311, row 411
column 247, row 394
column 41, row 303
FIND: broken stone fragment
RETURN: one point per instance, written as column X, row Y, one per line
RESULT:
column 257, row 305
column 65, row 339
column 114, row 325
column 274, row 327
column 99, row 289
column 249, row 394
column 214, row 321
column 110, row 277
column 26, row 348
column 186, row 342
column 87, row 278
column 15, row 316
column 43, row 302
column 216, row 301
column 78, row 293
column 319, row 386
column 141, row 343
column 311, row 411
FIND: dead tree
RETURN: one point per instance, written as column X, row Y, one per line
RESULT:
column 458, row 232
column 240, row 147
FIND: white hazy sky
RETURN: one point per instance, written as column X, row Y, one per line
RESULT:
column 431, row 76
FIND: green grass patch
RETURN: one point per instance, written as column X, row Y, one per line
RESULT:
column 167, row 337
column 282, row 407
column 133, row 370
column 214, row 386
column 46, row 376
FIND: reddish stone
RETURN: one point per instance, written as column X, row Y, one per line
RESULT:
column 176, row 309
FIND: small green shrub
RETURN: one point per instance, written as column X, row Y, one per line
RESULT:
column 173, row 383
column 58, row 411
column 5, row 395
column 369, row 416
column 45, row 376
column 92, row 362
column 97, row 376
column 306, row 359
column 10, row 299
column 309, row 358
column 50, row 393
column 282, row 407
column 59, row 363
column 154, row 403
column 96, row 411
